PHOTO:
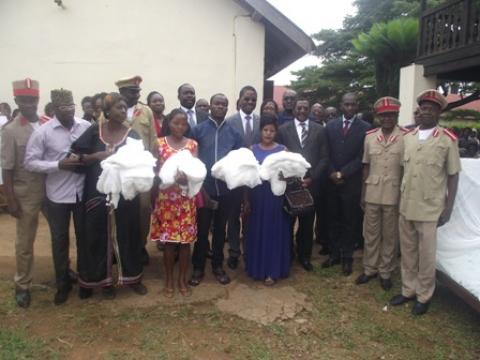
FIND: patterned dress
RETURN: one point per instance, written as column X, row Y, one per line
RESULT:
column 174, row 217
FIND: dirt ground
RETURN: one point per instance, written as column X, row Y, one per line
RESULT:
column 319, row 315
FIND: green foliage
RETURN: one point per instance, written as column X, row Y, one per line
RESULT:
column 340, row 59
column 390, row 46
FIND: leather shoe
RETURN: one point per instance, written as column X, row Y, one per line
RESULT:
column 196, row 278
column 330, row 262
column 61, row 295
column 84, row 293
column 386, row 284
column 139, row 288
column 221, row 276
column 419, row 308
column 364, row 278
column 347, row 268
column 307, row 265
column 108, row 292
column 22, row 298
column 400, row 299
column 232, row 262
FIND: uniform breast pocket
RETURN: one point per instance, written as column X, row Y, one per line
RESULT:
column 375, row 152
column 372, row 180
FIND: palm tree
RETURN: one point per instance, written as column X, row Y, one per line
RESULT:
column 391, row 46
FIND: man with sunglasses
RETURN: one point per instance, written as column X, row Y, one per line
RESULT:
column 48, row 152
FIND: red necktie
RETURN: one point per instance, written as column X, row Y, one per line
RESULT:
column 345, row 127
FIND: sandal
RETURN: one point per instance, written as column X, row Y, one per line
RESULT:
column 168, row 292
column 221, row 276
column 197, row 278
column 186, row 292
column 269, row 281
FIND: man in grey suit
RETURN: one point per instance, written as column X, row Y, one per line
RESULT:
column 248, row 126
column 309, row 139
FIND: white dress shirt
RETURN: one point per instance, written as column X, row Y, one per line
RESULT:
column 244, row 121
column 299, row 128
column 194, row 114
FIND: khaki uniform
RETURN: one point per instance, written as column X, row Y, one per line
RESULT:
column 29, row 190
column 382, row 193
column 427, row 165
column 143, row 123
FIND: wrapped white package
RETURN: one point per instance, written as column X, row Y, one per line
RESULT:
column 128, row 172
column 193, row 168
column 288, row 163
column 238, row 168
column 458, row 241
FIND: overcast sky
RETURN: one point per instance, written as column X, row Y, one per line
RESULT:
column 311, row 16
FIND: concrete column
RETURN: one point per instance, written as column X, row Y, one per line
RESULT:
column 412, row 82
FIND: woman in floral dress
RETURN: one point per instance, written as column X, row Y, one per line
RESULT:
column 174, row 216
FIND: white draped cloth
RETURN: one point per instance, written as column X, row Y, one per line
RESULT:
column 458, row 241
column 238, row 168
column 193, row 168
column 288, row 163
column 128, row 172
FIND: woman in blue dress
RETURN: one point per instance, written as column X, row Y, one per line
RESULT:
column 269, row 226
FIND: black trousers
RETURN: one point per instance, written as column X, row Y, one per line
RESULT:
column 321, row 217
column 234, row 226
column 204, row 222
column 59, row 222
column 344, row 214
column 304, row 235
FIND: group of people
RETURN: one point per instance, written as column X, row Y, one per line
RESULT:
column 402, row 182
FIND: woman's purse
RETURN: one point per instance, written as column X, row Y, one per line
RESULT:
column 298, row 200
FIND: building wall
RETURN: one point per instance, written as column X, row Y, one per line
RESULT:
column 88, row 45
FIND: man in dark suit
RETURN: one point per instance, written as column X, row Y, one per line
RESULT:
column 247, row 123
column 345, row 141
column 186, row 96
column 308, row 139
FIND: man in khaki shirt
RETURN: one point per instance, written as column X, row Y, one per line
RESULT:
column 382, row 173
column 25, row 190
column 428, row 190
column 140, row 118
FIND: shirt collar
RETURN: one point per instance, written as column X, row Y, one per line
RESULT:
column 349, row 120
column 297, row 123
column 187, row 110
column 243, row 115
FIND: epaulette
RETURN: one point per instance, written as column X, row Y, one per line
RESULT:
column 407, row 131
column 372, row 131
column 402, row 129
column 450, row 134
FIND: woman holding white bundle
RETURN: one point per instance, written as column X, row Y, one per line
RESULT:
column 269, row 230
column 103, row 241
column 174, row 216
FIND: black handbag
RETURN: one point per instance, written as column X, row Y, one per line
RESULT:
column 298, row 200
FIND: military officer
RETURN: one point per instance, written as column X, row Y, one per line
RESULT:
column 428, row 190
column 140, row 118
column 25, row 190
column 382, row 172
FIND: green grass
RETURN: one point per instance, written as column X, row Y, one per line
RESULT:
column 15, row 344
column 344, row 322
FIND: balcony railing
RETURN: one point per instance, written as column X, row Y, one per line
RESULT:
column 450, row 26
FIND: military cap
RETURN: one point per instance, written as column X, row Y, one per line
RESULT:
column 61, row 97
column 131, row 82
column 27, row 87
column 434, row 96
column 387, row 104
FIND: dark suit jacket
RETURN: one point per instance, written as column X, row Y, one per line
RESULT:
column 201, row 117
column 315, row 150
column 236, row 121
column 346, row 152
